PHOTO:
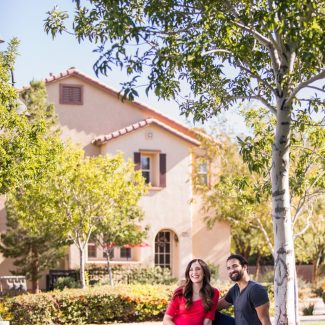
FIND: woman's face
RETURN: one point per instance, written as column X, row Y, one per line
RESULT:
column 196, row 273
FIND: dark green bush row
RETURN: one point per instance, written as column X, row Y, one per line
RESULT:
column 133, row 275
column 95, row 305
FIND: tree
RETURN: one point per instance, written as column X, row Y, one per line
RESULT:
column 34, row 249
column 242, row 197
column 37, row 107
column 123, row 229
column 25, row 147
column 94, row 196
column 311, row 244
column 227, row 51
column 232, row 197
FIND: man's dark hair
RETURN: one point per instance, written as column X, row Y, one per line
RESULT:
column 242, row 260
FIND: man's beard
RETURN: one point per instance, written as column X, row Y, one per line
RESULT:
column 237, row 275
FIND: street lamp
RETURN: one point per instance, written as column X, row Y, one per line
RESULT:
column 1, row 39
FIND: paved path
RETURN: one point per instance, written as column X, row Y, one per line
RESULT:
column 314, row 318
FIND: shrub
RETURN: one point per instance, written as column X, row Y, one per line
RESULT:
column 93, row 305
column 133, row 275
column 66, row 282
column 308, row 310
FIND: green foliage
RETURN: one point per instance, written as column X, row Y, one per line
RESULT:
column 145, row 275
column 308, row 310
column 94, row 305
column 214, row 269
column 35, row 99
column 25, row 146
column 84, row 196
column 66, row 282
column 197, row 41
column 132, row 275
column 235, row 195
column 35, row 248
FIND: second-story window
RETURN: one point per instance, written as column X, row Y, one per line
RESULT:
column 145, row 166
column 153, row 166
column 203, row 173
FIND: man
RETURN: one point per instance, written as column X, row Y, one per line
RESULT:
column 250, row 299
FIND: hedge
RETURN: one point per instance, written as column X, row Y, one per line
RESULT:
column 96, row 305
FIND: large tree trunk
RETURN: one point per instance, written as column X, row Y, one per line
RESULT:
column 286, row 297
column 82, row 267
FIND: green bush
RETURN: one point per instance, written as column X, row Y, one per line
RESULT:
column 133, row 275
column 66, row 282
column 307, row 311
column 95, row 305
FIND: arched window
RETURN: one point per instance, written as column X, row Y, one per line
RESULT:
column 163, row 249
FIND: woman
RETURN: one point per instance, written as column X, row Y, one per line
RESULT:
column 194, row 303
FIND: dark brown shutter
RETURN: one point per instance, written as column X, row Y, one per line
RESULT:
column 162, row 170
column 136, row 159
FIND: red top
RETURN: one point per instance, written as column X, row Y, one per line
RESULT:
column 195, row 315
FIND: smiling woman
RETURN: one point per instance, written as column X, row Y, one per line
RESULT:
column 195, row 302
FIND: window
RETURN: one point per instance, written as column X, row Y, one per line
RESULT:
column 71, row 94
column 92, row 250
column 153, row 166
column 125, row 252
column 203, row 173
column 145, row 168
column 163, row 249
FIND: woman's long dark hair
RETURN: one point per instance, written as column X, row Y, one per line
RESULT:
column 206, row 291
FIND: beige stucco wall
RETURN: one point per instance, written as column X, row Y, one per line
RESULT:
column 101, row 113
column 167, row 208
column 212, row 245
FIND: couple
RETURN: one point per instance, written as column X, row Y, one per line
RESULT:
column 196, row 302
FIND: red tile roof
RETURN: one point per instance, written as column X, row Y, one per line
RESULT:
column 151, row 112
column 133, row 127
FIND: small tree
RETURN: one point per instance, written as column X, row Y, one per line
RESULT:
column 25, row 147
column 34, row 250
column 97, row 196
column 121, row 230
column 35, row 247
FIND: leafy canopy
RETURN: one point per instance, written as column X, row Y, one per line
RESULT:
column 224, row 50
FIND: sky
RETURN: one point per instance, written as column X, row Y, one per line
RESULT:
column 40, row 55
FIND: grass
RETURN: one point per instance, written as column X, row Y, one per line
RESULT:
column 314, row 323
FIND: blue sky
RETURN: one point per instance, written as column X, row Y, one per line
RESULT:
column 40, row 55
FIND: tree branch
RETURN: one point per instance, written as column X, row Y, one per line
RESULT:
column 316, row 88
column 303, row 230
column 266, row 236
column 304, row 84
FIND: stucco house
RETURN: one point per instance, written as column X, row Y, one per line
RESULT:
column 91, row 114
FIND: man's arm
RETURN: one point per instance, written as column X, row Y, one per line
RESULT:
column 223, row 304
column 263, row 313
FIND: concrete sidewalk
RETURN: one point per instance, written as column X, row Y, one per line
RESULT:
column 303, row 319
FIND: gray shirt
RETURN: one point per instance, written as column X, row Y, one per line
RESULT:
column 245, row 302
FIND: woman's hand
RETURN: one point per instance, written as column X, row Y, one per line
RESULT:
column 207, row 321
column 168, row 320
